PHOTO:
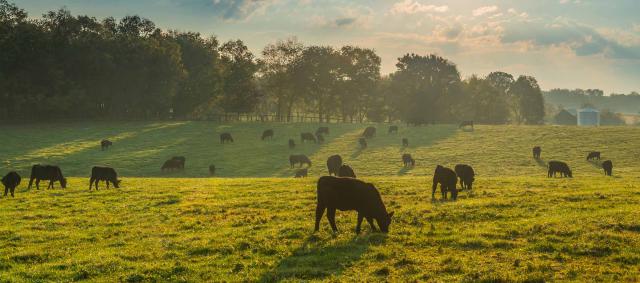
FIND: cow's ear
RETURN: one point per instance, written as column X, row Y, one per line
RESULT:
column 391, row 214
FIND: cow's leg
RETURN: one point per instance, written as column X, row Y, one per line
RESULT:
column 331, row 215
column 373, row 227
column 319, row 211
column 38, row 184
column 13, row 190
column 51, row 185
column 360, row 218
column 433, row 191
column 90, row 183
column 30, row 183
column 107, row 184
column 6, row 190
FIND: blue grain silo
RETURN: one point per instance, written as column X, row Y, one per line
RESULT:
column 588, row 117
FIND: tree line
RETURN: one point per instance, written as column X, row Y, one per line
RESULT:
column 62, row 66
column 577, row 98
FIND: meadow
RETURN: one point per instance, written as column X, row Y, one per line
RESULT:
column 255, row 223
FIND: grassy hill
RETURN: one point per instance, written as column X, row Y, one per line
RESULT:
column 140, row 148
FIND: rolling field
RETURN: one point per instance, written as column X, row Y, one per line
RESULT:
column 516, row 226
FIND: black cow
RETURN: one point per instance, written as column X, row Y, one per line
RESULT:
column 559, row 167
column 369, row 132
column 301, row 159
column 393, row 129
column 171, row 165
column 307, row 137
column 407, row 160
column 363, row 143
column 536, row 152
column 212, row 170
column 323, row 130
column 267, row 134
column 593, row 155
column 302, row 173
column 292, row 144
column 333, row 164
column 226, row 138
column 10, row 182
column 466, row 124
column 47, row 173
column 405, row 142
column 335, row 193
column 447, row 179
column 105, row 144
column 346, row 171
column 607, row 166
column 106, row 174
column 466, row 175
column 181, row 160
column 320, row 138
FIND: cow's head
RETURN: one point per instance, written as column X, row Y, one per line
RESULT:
column 63, row 183
column 569, row 173
column 117, row 183
column 384, row 222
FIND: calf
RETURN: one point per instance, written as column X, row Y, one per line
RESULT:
column 333, row 164
column 447, row 179
column 301, row 159
column 292, row 144
column 171, row 165
column 466, row 124
column 335, row 193
column 307, row 137
column 407, row 160
column 363, row 143
column 393, row 129
column 536, row 152
column 226, row 138
column 181, row 161
column 607, row 166
column 47, row 173
column 593, row 155
column 212, row 170
column 105, row 144
column 10, row 182
column 106, row 174
column 559, row 167
column 369, row 132
column 267, row 134
column 322, row 131
column 302, row 173
column 346, row 171
column 320, row 138
column 405, row 142
column 466, row 175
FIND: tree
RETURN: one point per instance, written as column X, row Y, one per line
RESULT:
column 278, row 62
column 484, row 102
column 528, row 98
column 361, row 71
column 240, row 91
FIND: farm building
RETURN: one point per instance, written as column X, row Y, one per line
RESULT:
column 588, row 117
column 564, row 117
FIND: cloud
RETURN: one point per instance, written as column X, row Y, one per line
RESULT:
column 484, row 10
column 238, row 9
column 413, row 7
column 342, row 22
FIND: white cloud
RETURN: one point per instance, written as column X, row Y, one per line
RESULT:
column 484, row 10
column 412, row 7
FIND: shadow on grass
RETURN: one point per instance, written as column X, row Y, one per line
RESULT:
column 542, row 163
column 595, row 163
column 313, row 261
column 404, row 170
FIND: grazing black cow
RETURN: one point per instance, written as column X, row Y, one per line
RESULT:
column 106, row 174
column 226, row 138
column 212, row 170
column 536, row 152
column 593, row 155
column 307, row 137
column 335, row 193
column 301, row 159
column 10, row 182
column 559, row 167
column 346, row 171
column 323, row 130
column 447, row 179
column 405, row 142
column 466, row 175
column 47, row 173
column 292, row 144
column 369, row 132
column 172, row 165
column 363, row 143
column 105, row 144
column 181, row 160
column 466, row 124
column 320, row 138
column 333, row 164
column 267, row 134
column 407, row 160
column 302, row 173
column 607, row 166
column 393, row 129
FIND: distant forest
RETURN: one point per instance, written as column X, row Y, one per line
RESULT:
column 62, row 66
column 577, row 98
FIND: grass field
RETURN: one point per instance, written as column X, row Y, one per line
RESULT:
column 516, row 226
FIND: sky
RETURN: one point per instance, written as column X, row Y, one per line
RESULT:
column 563, row 43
